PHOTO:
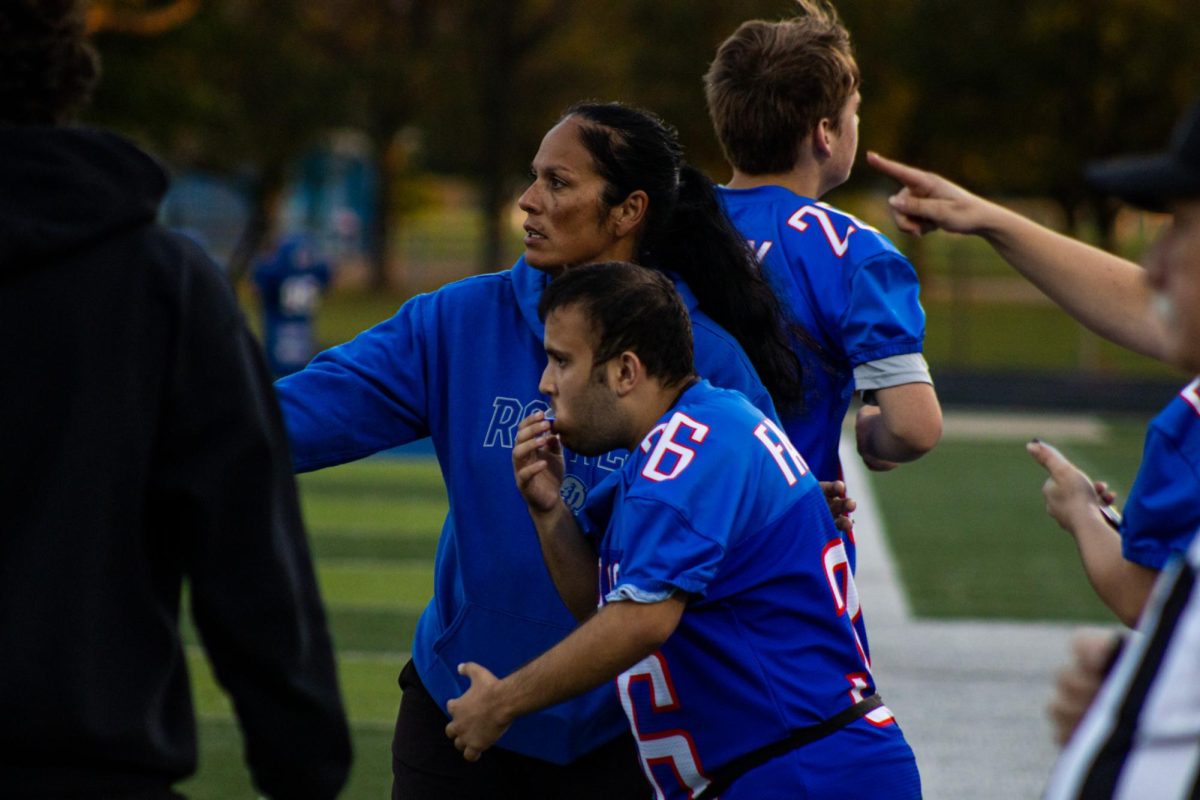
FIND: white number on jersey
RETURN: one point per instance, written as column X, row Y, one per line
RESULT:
column 798, row 222
column 676, row 748
column 879, row 717
column 845, row 600
column 696, row 431
column 1191, row 394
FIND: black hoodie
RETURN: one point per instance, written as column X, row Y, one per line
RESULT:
column 140, row 445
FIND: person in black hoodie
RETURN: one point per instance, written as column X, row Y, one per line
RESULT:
column 140, row 446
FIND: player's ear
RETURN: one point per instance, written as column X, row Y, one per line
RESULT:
column 822, row 139
column 627, row 372
column 629, row 214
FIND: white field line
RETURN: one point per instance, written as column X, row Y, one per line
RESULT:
column 883, row 600
column 1005, row 426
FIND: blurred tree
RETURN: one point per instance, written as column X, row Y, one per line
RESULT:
column 1014, row 96
column 385, row 51
column 1009, row 96
column 480, row 103
column 509, row 70
column 239, row 89
column 138, row 16
column 670, row 45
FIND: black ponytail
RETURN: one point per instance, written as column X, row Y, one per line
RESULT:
column 703, row 247
column 688, row 233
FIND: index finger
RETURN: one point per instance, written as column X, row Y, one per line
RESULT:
column 1047, row 455
column 909, row 176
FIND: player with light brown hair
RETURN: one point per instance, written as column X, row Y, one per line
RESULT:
column 784, row 97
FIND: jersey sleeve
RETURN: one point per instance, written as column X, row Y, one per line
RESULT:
column 1161, row 515
column 883, row 315
column 366, row 395
column 663, row 553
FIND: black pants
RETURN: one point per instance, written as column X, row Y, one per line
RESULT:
column 426, row 766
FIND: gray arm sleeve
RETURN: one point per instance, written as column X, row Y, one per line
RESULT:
column 892, row 371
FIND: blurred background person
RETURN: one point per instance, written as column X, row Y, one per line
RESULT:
column 142, row 448
column 290, row 281
column 1140, row 730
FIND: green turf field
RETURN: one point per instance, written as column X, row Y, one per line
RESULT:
column 969, row 533
column 966, row 525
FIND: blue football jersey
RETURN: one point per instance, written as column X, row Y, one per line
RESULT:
column 842, row 282
column 718, row 504
column 1162, row 512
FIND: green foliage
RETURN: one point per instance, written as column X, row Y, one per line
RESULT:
column 238, row 84
column 1022, row 335
column 1014, row 97
column 1005, row 96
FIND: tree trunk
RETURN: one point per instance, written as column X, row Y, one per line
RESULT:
column 497, row 69
column 385, row 216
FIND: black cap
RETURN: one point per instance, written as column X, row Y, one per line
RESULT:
column 1152, row 182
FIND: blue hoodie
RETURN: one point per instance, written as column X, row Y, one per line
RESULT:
column 462, row 365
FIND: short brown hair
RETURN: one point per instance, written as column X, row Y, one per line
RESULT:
column 772, row 83
column 47, row 67
column 629, row 308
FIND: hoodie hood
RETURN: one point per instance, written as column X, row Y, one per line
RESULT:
column 529, row 283
column 61, row 188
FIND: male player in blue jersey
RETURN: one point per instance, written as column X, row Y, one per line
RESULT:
column 783, row 98
column 725, row 594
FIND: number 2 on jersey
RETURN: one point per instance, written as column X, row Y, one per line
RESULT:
column 838, row 244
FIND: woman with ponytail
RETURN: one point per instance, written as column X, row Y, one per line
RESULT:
column 686, row 233
column 461, row 365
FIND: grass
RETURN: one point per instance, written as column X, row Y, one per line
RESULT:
column 969, row 532
column 1016, row 335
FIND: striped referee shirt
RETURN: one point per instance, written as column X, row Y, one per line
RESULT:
column 1141, row 737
